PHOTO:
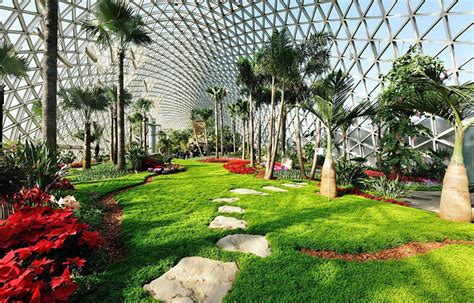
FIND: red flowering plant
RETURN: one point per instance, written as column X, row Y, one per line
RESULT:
column 239, row 167
column 63, row 184
column 373, row 173
column 358, row 192
column 39, row 247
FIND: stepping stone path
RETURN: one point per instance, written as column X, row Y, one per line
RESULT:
column 274, row 188
column 294, row 185
column 227, row 200
column 223, row 222
column 246, row 191
column 194, row 279
column 254, row 244
column 230, row 209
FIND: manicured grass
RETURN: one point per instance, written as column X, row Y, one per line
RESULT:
column 167, row 220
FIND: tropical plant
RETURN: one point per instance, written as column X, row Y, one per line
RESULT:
column 217, row 94
column 10, row 65
column 455, row 104
column 137, row 156
column 195, row 117
column 117, row 24
column 329, row 107
column 384, row 187
column 66, row 157
column 243, row 110
column 233, row 112
column 277, row 58
column 85, row 101
column 349, row 173
column 98, row 172
column 143, row 106
column 206, row 114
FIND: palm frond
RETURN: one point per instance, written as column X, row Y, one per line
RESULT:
column 11, row 63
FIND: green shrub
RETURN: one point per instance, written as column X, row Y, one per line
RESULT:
column 66, row 157
column 98, row 172
column 349, row 173
column 137, row 157
column 384, row 187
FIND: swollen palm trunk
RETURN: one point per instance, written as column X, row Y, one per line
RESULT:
column 328, row 179
column 87, row 146
column 455, row 202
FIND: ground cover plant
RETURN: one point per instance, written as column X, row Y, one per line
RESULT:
column 168, row 219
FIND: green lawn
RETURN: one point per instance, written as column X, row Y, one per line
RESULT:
column 167, row 220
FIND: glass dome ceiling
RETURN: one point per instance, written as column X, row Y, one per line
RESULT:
column 196, row 45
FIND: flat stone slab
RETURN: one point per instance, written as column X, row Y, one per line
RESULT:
column 226, row 200
column 274, row 188
column 224, row 222
column 257, row 245
column 247, row 191
column 230, row 209
column 294, row 185
column 194, row 279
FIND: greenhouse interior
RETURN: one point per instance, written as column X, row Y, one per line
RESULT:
column 236, row 151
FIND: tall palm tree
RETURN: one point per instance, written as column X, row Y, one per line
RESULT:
column 328, row 105
column 50, row 73
column 194, row 117
column 10, row 65
column 217, row 94
column 233, row 112
column 117, row 24
column 84, row 101
column 277, row 59
column 243, row 110
column 455, row 104
column 97, row 136
column 206, row 115
column 143, row 106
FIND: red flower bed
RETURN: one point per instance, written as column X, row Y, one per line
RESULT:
column 63, row 184
column 28, row 197
column 219, row 160
column 40, row 246
column 358, row 192
column 374, row 173
column 239, row 167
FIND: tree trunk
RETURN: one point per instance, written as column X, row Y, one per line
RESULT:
column 268, row 169
column 2, row 101
column 280, row 121
column 283, row 132
column 145, row 144
column 216, row 126
column 316, row 146
column 259, row 139
column 251, row 133
column 141, row 133
column 243, row 138
column 379, row 148
column 344, row 144
column 115, row 133
column 206, row 139
column 87, row 146
column 97, row 152
column 196, row 139
column 233, row 136
column 50, row 74
column 455, row 203
column 112, row 137
column 328, row 173
column 299, row 149
column 121, row 113
column 222, row 125
column 130, row 135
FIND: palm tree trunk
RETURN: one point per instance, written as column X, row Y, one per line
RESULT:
column 259, row 139
column 141, row 133
column 316, row 146
column 243, row 138
column 130, row 135
column 268, row 169
column 455, row 203
column 206, row 139
column 233, row 135
column 50, row 74
column 251, row 133
column 121, row 113
column 96, row 152
column 379, row 148
column 2, row 101
column 283, row 132
column 145, row 145
column 221, row 128
column 87, row 146
column 216, row 126
column 196, row 139
column 115, row 133
column 328, row 173
column 344, row 144
column 112, row 137
column 299, row 149
column 280, row 122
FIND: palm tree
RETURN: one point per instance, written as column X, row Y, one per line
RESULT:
column 217, row 94
column 455, row 104
column 10, row 65
column 233, row 112
column 85, row 101
column 243, row 110
column 143, row 106
column 328, row 105
column 117, row 23
column 50, row 73
column 195, row 117
column 96, row 137
column 206, row 115
column 277, row 59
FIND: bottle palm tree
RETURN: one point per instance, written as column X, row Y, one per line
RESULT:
column 233, row 112
column 50, row 73
column 328, row 106
column 195, row 117
column 243, row 110
column 10, row 65
column 117, row 23
column 455, row 104
column 206, row 115
column 277, row 59
column 84, row 101
column 143, row 106
column 217, row 94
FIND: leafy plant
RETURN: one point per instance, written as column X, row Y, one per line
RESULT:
column 99, row 172
column 385, row 187
column 66, row 157
column 137, row 157
column 349, row 173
